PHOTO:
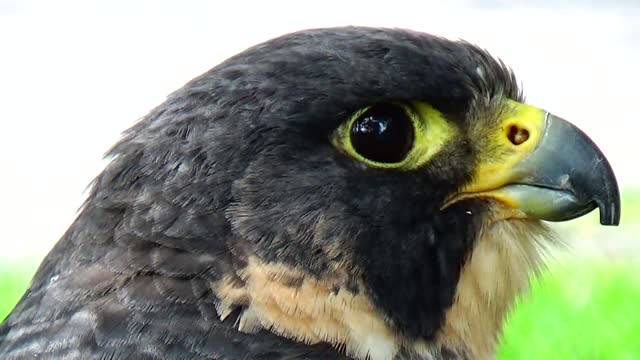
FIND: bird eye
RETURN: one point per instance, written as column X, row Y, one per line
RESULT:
column 402, row 136
column 383, row 133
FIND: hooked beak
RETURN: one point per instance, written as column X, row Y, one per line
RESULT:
column 543, row 167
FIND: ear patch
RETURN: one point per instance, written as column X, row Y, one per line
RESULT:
column 290, row 303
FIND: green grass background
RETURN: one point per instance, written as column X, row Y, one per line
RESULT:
column 14, row 279
column 586, row 306
column 582, row 310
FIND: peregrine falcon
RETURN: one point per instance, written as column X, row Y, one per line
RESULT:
column 341, row 193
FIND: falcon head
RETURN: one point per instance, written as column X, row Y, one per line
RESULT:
column 379, row 190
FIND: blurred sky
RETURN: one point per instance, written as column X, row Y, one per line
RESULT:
column 75, row 73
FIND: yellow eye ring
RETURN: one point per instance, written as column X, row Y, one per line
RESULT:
column 428, row 129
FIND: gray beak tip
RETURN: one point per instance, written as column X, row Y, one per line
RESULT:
column 610, row 212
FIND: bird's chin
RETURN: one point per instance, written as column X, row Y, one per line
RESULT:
column 496, row 209
column 498, row 212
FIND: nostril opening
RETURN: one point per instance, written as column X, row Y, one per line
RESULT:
column 518, row 135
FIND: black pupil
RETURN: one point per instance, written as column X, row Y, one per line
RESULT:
column 383, row 133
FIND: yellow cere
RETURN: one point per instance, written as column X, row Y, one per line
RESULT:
column 497, row 166
column 431, row 132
